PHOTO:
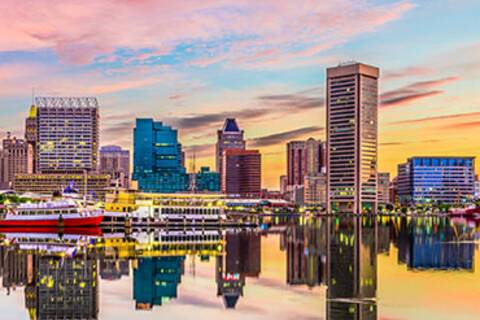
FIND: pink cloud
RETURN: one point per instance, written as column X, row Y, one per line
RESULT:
column 78, row 31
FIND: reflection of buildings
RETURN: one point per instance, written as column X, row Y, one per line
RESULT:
column 352, row 271
column 155, row 280
column 420, row 248
column 63, row 289
column 114, row 269
column 14, row 268
column 306, row 254
column 242, row 259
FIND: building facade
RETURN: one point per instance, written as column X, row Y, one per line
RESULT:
column 352, row 105
column 115, row 162
column 67, row 131
column 315, row 190
column 17, row 159
column 93, row 185
column 436, row 180
column 383, row 188
column 229, row 137
column 205, row 181
column 157, row 158
column 242, row 172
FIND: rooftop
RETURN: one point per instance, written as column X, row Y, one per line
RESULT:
column 230, row 125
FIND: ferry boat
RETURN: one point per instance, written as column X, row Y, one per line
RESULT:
column 165, row 214
column 62, row 213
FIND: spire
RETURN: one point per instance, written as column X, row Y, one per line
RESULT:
column 231, row 125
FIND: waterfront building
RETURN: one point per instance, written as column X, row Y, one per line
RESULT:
column 393, row 191
column 155, row 280
column 352, row 106
column 157, row 158
column 436, row 180
column 229, row 137
column 67, row 131
column 477, row 189
column 383, row 186
column 31, row 132
column 94, row 185
column 17, row 154
column 205, row 181
column 241, row 172
column 315, row 190
column 115, row 162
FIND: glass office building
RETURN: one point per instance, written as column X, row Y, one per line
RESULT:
column 157, row 159
column 436, row 180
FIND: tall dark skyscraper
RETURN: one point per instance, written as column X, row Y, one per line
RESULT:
column 352, row 105
column 157, row 158
column 230, row 137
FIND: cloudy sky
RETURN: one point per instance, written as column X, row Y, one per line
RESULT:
column 192, row 63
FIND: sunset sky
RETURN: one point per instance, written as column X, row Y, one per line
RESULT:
column 192, row 63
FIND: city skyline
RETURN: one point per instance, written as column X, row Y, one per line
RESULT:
column 218, row 66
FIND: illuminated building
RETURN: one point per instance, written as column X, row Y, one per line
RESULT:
column 352, row 268
column 155, row 280
column 94, row 184
column 383, row 186
column 436, row 180
column 67, row 134
column 229, row 137
column 115, row 162
column 65, row 289
column 17, row 159
column 157, row 158
column 242, row 172
column 352, row 106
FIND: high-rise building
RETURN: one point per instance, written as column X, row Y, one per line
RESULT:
column 295, row 162
column 18, row 156
column 157, row 158
column 352, row 105
column 436, row 180
column 115, row 162
column 67, row 134
column 283, row 184
column 229, row 137
column 241, row 172
column 477, row 189
column 383, row 187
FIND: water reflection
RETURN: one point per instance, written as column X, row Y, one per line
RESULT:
column 59, row 273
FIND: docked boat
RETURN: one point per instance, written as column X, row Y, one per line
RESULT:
column 63, row 213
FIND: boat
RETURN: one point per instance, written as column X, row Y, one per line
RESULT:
column 59, row 213
column 469, row 212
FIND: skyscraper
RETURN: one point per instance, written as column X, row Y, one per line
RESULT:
column 67, row 134
column 230, row 137
column 241, row 172
column 31, row 133
column 157, row 158
column 115, row 162
column 352, row 105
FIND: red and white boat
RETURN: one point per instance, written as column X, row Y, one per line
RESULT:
column 64, row 213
